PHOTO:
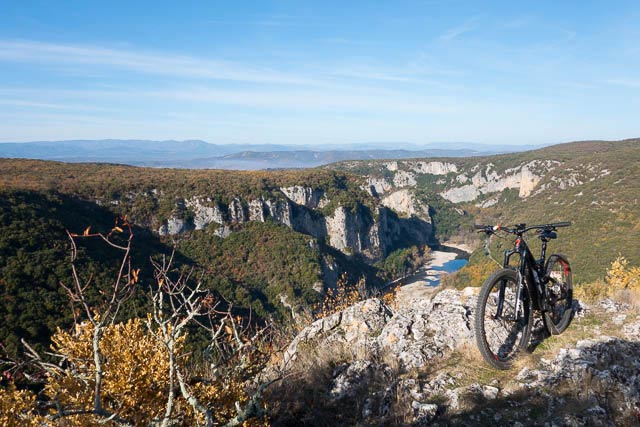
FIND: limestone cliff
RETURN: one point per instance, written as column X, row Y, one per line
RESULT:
column 371, row 231
column 463, row 180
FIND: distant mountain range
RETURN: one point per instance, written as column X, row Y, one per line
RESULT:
column 196, row 154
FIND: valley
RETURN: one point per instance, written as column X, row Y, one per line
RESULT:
column 265, row 237
column 593, row 184
column 274, row 245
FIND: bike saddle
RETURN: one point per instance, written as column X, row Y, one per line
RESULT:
column 548, row 235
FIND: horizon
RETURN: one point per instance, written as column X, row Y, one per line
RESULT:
column 367, row 145
column 273, row 73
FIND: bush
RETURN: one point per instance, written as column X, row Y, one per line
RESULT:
column 621, row 282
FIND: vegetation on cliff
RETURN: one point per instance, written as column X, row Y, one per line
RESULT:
column 593, row 184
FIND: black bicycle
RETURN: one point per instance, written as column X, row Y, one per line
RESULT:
column 504, row 312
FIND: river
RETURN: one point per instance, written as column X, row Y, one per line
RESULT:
column 442, row 261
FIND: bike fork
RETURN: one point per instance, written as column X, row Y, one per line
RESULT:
column 518, row 294
column 503, row 285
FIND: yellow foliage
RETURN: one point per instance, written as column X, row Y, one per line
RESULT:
column 620, row 278
column 135, row 370
column 343, row 296
column 136, row 377
column 390, row 298
column 16, row 408
column 469, row 275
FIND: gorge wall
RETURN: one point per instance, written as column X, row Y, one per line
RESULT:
column 372, row 229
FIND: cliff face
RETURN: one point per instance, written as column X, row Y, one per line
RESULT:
column 359, row 229
column 457, row 183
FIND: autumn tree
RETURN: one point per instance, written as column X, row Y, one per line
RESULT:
column 140, row 371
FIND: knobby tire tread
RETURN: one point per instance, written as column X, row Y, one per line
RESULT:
column 485, row 291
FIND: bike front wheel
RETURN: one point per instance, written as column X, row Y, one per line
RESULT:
column 559, row 294
column 503, row 321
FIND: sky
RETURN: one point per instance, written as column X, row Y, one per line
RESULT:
column 320, row 72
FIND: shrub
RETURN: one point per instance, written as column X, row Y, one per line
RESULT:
column 621, row 282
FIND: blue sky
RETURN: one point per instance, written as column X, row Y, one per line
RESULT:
column 323, row 72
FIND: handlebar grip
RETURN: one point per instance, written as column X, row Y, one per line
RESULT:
column 562, row 224
column 479, row 227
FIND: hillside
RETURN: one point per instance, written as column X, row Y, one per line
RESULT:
column 594, row 184
column 272, row 242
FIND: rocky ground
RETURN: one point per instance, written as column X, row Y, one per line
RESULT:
column 415, row 362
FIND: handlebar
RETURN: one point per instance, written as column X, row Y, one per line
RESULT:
column 520, row 228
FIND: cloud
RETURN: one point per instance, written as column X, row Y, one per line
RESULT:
column 271, row 100
column 351, row 42
column 33, row 104
column 277, row 20
column 457, row 31
column 517, row 23
column 141, row 62
column 569, row 35
column 376, row 75
column 629, row 83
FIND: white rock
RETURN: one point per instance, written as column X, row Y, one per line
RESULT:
column 404, row 179
column 404, row 202
column 304, row 196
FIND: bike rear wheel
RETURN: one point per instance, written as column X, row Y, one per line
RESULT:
column 559, row 294
column 501, row 329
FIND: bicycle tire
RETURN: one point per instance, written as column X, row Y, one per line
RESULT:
column 559, row 294
column 501, row 339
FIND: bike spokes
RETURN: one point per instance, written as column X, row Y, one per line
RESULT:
column 504, row 320
column 559, row 294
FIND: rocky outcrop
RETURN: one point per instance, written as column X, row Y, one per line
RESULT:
column 305, row 196
column 237, row 212
column 412, row 334
column 380, row 355
column 377, row 186
column 404, row 202
column 467, row 183
column 356, row 326
column 489, row 181
column 178, row 223
column 404, row 179
column 173, row 226
column 204, row 213
column 343, row 230
column 257, row 210
column 432, row 168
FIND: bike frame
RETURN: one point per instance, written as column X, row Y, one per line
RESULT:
column 530, row 273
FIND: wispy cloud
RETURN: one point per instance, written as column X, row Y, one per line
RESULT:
column 269, row 21
column 315, row 100
column 629, row 83
column 457, row 31
column 308, row 99
column 517, row 23
column 351, row 42
column 569, row 34
column 141, row 62
column 33, row 104
column 376, row 75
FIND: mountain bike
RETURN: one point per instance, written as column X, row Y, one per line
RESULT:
column 504, row 313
